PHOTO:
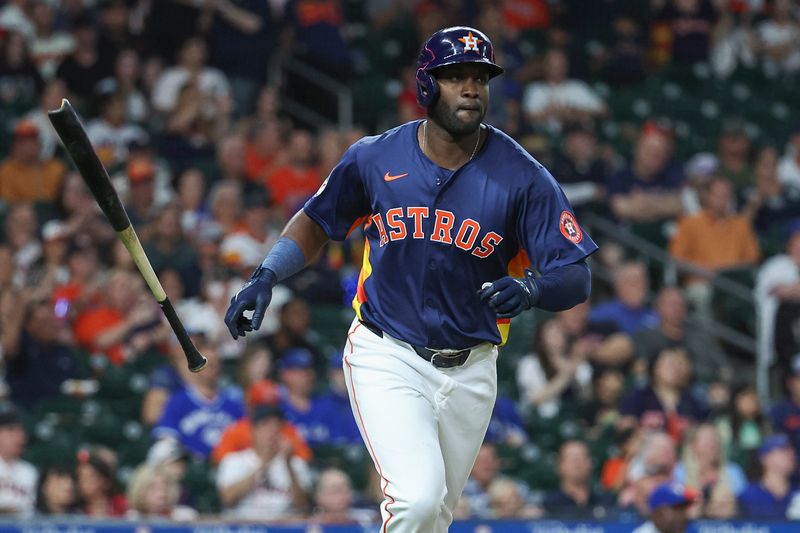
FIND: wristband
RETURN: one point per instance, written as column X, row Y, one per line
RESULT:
column 284, row 259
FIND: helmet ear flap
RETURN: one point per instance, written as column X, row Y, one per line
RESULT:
column 427, row 88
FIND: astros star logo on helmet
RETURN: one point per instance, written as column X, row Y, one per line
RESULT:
column 471, row 42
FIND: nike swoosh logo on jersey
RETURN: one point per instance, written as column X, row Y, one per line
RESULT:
column 388, row 177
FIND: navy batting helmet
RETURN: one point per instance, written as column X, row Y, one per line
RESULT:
column 448, row 46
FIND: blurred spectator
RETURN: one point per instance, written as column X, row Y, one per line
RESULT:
column 113, row 22
column 705, row 468
column 82, row 69
column 246, row 248
column 601, row 411
column 141, row 202
column 789, row 166
column 293, row 183
column 193, row 202
column 734, row 41
column 263, row 149
column 111, row 133
column 655, row 459
column 669, row 505
column 785, row 414
column 505, row 426
column 98, row 491
column 744, row 426
column 779, row 38
column 24, row 175
column 169, row 457
column 51, row 269
column 50, row 45
column 21, row 233
column 52, row 93
column 506, row 501
column 558, row 100
column 125, row 82
column 300, row 406
column 691, row 27
column 734, row 149
column 168, row 248
column 554, row 373
column 614, row 472
column 607, row 347
column 42, row 358
column 78, row 209
column 57, row 493
column 628, row 310
column 125, row 323
column 713, row 241
column 485, row 472
column 153, row 493
column 170, row 23
column 17, row 477
column 164, row 381
column 294, row 331
column 191, row 69
column 15, row 18
column 265, row 482
column 771, row 204
column 648, row 189
column 625, row 53
column 236, row 26
column 198, row 413
column 19, row 76
column 575, row 498
column 579, row 168
column 335, row 501
column 335, row 403
column 772, row 495
column 666, row 403
column 225, row 201
column 709, row 362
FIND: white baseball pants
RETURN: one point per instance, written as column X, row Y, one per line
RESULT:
column 423, row 426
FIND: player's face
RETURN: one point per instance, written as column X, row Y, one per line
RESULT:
column 463, row 98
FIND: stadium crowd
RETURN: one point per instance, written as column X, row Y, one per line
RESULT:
column 191, row 105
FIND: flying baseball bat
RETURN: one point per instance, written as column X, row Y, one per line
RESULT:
column 68, row 126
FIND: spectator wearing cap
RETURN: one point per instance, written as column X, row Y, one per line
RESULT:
column 579, row 167
column 789, row 165
column 715, row 240
column 785, row 414
column 98, row 489
column 197, row 414
column 42, row 357
column 24, row 175
column 292, row 183
column 140, row 203
column 335, row 404
column 300, row 406
column 777, row 298
column 558, row 100
column 575, row 498
column 648, row 189
column 169, row 456
column 266, row 481
column 669, row 505
column 17, row 477
column 773, row 495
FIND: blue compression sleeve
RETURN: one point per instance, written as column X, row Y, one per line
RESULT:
column 284, row 259
column 563, row 288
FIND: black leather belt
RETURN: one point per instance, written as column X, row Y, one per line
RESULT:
column 437, row 359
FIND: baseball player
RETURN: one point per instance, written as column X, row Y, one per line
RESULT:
column 454, row 212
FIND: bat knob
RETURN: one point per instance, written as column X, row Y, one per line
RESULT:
column 198, row 363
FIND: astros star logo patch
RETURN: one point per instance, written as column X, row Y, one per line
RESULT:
column 471, row 42
column 569, row 227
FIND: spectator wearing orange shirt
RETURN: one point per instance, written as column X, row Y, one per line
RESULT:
column 263, row 149
column 24, row 175
column 715, row 239
column 293, row 183
column 126, row 323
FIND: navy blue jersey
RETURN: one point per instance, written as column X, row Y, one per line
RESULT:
column 434, row 236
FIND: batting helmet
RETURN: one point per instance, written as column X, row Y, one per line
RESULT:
column 448, row 46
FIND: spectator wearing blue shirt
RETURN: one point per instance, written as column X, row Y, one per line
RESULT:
column 198, row 413
column 296, row 376
column 785, row 415
column 773, row 494
column 335, row 404
column 628, row 310
column 165, row 380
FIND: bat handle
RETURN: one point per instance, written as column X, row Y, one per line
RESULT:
column 195, row 359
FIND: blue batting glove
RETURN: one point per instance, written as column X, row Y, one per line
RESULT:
column 255, row 296
column 510, row 296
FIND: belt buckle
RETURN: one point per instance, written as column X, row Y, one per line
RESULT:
column 441, row 358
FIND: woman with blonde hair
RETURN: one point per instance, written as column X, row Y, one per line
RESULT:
column 154, row 493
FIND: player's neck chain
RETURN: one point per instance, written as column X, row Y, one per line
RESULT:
column 425, row 139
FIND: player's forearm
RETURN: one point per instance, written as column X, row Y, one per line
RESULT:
column 300, row 242
column 564, row 287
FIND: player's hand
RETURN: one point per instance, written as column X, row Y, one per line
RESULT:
column 509, row 296
column 255, row 296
